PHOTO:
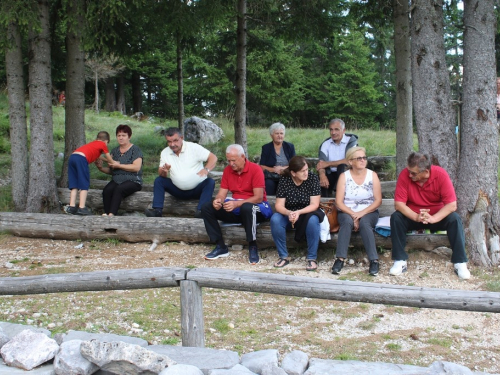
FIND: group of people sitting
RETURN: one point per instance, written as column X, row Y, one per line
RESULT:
column 424, row 196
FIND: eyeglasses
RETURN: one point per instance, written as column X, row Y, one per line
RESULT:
column 360, row 158
column 414, row 174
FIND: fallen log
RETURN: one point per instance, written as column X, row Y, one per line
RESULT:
column 145, row 229
column 174, row 207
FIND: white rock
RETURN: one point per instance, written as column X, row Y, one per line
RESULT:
column 28, row 350
column 69, row 360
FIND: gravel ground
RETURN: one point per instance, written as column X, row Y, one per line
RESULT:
column 244, row 321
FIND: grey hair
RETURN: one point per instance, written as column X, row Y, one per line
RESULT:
column 170, row 132
column 420, row 160
column 342, row 123
column 236, row 147
column 276, row 126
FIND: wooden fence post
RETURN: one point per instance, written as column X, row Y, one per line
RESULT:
column 192, row 322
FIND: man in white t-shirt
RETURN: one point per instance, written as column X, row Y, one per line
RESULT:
column 332, row 156
column 183, row 161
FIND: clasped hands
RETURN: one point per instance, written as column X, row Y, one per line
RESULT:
column 425, row 217
column 228, row 206
column 98, row 163
column 293, row 216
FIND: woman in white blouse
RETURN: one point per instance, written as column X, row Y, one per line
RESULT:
column 358, row 197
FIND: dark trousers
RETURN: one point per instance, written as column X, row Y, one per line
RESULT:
column 203, row 191
column 271, row 186
column 249, row 217
column 333, row 177
column 113, row 194
column 452, row 224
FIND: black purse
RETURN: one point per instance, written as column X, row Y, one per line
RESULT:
column 271, row 175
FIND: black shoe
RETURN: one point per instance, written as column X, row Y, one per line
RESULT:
column 153, row 212
column 218, row 252
column 198, row 215
column 337, row 266
column 83, row 211
column 253, row 255
column 71, row 210
column 374, row 266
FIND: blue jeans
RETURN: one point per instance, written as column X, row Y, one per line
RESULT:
column 279, row 225
column 203, row 191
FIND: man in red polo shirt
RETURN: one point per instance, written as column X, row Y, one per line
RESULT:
column 425, row 199
column 248, row 204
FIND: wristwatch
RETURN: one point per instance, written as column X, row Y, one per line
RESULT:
column 208, row 170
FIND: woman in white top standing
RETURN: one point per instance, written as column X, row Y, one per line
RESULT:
column 358, row 197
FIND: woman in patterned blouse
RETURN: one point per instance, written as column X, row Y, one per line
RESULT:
column 358, row 197
column 297, row 206
column 126, row 174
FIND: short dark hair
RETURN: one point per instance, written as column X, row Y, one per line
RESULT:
column 124, row 129
column 295, row 165
column 103, row 136
column 170, row 132
column 420, row 160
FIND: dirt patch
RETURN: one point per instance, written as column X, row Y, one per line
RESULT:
column 244, row 321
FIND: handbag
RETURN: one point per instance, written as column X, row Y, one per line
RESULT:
column 271, row 175
column 331, row 212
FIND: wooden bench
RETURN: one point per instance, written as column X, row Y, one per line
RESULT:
column 174, row 228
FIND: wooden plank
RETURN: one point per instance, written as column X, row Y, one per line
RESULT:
column 339, row 290
column 175, row 207
column 145, row 278
column 145, row 229
column 192, row 322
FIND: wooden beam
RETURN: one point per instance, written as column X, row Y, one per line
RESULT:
column 175, row 207
column 300, row 286
column 192, row 322
column 148, row 229
column 144, row 278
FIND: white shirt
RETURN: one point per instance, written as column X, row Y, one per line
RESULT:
column 358, row 197
column 185, row 167
column 335, row 151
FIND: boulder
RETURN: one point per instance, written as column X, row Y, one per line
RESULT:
column 69, row 360
column 12, row 329
column 122, row 358
column 255, row 361
column 103, row 337
column 201, row 131
column 28, row 350
column 235, row 370
column 181, row 370
column 272, row 369
column 334, row 367
column 295, row 362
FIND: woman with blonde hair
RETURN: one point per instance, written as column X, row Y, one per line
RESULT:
column 358, row 197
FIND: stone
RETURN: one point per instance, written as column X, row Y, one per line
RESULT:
column 295, row 362
column 236, row 370
column 255, row 361
column 180, row 369
column 104, row 337
column 46, row 369
column 272, row 369
column 335, row 367
column 4, row 339
column 124, row 358
column 69, row 360
column 12, row 329
column 443, row 367
column 201, row 131
column 29, row 349
column 203, row 358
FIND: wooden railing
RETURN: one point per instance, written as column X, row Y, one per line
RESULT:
column 191, row 282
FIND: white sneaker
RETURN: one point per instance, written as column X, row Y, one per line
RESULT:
column 398, row 268
column 462, row 271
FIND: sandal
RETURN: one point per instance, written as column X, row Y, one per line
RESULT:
column 281, row 263
column 312, row 265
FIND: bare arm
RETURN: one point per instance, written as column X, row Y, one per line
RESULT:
column 440, row 215
column 210, row 164
column 258, row 196
column 98, row 164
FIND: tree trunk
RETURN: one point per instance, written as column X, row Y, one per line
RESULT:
column 96, row 88
column 120, row 90
column 17, row 118
column 136, row 92
column 402, row 51
column 434, row 112
column 42, row 192
column 240, row 135
column 74, row 120
column 477, row 187
column 180, row 84
column 110, row 104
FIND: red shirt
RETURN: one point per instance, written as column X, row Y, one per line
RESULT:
column 436, row 192
column 93, row 150
column 242, row 185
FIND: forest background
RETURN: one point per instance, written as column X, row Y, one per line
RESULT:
column 255, row 62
